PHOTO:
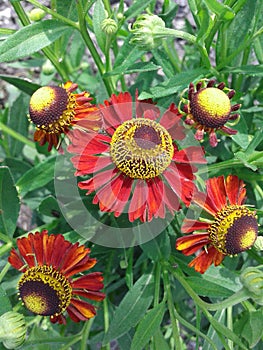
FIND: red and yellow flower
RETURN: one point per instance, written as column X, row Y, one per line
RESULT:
column 47, row 286
column 136, row 165
column 231, row 229
column 54, row 109
column 208, row 109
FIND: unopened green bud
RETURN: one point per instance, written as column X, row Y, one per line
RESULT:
column 258, row 245
column 36, row 15
column 48, row 68
column 147, row 31
column 252, row 280
column 109, row 26
column 12, row 329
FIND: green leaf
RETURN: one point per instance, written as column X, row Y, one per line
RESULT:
column 31, row 38
column 98, row 16
column 205, row 22
column 177, row 83
column 148, row 327
column 137, row 67
column 37, row 177
column 136, row 8
column 132, row 308
column 252, row 331
column 159, row 341
column 220, row 9
column 49, row 207
column 9, row 202
column 253, row 70
column 22, row 84
column 127, row 55
column 158, row 248
column 163, row 60
column 17, row 167
column 17, row 121
column 5, row 304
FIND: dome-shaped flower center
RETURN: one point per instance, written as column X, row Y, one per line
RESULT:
column 210, row 107
column 51, row 107
column 141, row 148
column 45, row 291
column 234, row 230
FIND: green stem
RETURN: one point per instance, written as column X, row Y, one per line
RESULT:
column 234, row 299
column 230, row 324
column 4, row 270
column 157, row 284
column 16, row 135
column 54, row 14
column 175, row 330
column 106, row 322
column 46, row 50
column 85, row 334
column 88, row 41
column 4, row 238
column 230, row 163
column 173, row 56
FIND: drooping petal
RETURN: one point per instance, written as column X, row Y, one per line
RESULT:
column 82, row 308
column 216, row 191
column 205, row 259
column 91, row 282
column 16, row 260
column 138, row 201
column 190, row 154
column 235, row 189
column 171, row 120
column 191, row 243
column 190, row 225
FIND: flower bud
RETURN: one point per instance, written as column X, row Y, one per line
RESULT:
column 258, row 245
column 36, row 15
column 148, row 31
column 109, row 26
column 252, row 280
column 12, row 329
column 48, row 68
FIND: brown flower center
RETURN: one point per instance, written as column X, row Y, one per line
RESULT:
column 51, row 108
column 234, row 230
column 45, row 291
column 141, row 148
column 210, row 107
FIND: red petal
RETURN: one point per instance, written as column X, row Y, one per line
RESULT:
column 26, row 250
column 155, row 203
column 97, row 296
column 16, row 261
column 216, row 191
column 92, row 281
column 171, row 121
column 138, row 201
column 191, row 243
column 82, row 309
column 190, row 225
column 190, row 155
column 228, row 130
column 90, row 164
column 235, row 190
column 98, row 180
column 203, row 261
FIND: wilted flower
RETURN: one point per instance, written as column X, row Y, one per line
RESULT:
column 209, row 109
column 231, row 229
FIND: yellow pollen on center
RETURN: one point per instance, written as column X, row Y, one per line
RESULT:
column 45, row 291
column 141, row 148
column 234, row 230
column 42, row 98
column 35, row 303
column 214, row 102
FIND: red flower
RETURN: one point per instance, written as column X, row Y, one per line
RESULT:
column 47, row 286
column 55, row 109
column 136, row 165
column 209, row 109
column 232, row 228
